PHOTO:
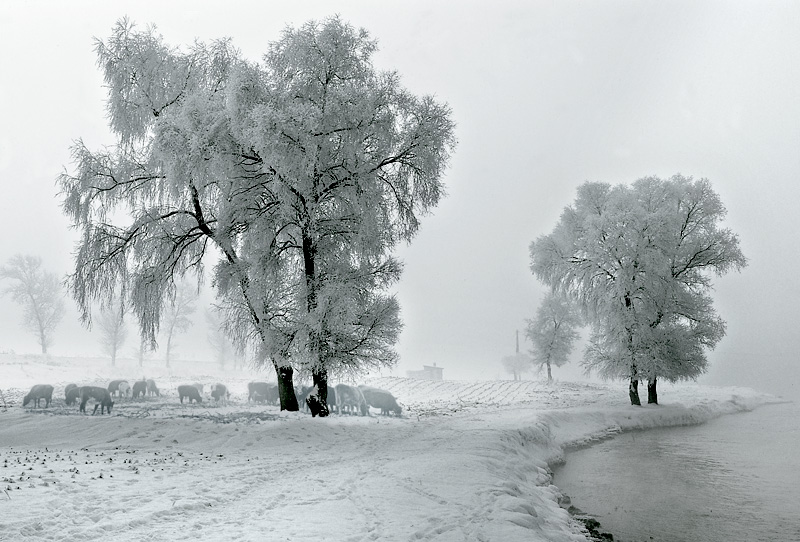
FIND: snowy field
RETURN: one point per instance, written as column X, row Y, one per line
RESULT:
column 466, row 461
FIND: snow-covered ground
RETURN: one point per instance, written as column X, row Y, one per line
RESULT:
column 466, row 461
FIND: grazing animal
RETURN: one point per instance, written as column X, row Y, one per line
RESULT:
column 350, row 398
column 124, row 389
column 113, row 387
column 303, row 392
column 190, row 392
column 39, row 391
column 71, row 394
column 139, row 388
column 219, row 391
column 331, row 398
column 152, row 389
column 261, row 392
column 381, row 399
column 101, row 395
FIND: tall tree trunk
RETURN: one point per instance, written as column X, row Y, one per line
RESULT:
column 43, row 339
column 652, row 392
column 633, row 391
column 319, row 373
column 286, row 387
column 549, row 372
column 169, row 347
column 633, row 388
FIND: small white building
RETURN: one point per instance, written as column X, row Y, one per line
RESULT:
column 428, row 372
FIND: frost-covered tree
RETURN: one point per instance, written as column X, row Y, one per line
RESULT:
column 639, row 260
column 301, row 173
column 552, row 332
column 177, row 316
column 113, row 332
column 38, row 292
column 218, row 339
column 516, row 364
column 144, row 349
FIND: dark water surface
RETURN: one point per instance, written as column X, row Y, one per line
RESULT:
column 735, row 478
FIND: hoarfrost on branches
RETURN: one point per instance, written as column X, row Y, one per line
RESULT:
column 639, row 261
column 38, row 292
column 300, row 174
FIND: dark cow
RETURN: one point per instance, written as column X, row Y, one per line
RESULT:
column 39, row 391
column 303, row 392
column 190, row 392
column 71, row 394
column 219, row 391
column 139, row 388
column 351, row 399
column 100, row 395
column 152, row 389
column 315, row 404
column 381, row 399
column 261, row 392
column 113, row 387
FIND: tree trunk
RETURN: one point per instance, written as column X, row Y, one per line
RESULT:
column 633, row 391
column 286, row 388
column 549, row 373
column 169, row 347
column 43, row 340
column 652, row 392
column 320, row 379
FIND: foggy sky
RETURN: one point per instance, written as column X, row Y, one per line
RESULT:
column 546, row 95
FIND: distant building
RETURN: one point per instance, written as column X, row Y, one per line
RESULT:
column 428, row 372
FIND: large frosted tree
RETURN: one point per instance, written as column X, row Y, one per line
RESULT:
column 300, row 174
column 639, row 260
column 38, row 292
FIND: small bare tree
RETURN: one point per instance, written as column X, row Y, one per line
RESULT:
column 113, row 332
column 176, row 318
column 39, row 293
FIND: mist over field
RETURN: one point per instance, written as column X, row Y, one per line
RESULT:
column 544, row 96
column 491, row 191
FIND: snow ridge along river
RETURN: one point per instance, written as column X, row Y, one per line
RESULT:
column 467, row 461
column 733, row 478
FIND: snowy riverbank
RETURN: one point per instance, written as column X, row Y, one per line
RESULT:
column 467, row 461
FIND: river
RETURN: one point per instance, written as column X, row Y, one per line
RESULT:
column 735, row 478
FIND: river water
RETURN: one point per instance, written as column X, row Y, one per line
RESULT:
column 735, row 478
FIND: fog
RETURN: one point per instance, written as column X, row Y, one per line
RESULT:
column 546, row 95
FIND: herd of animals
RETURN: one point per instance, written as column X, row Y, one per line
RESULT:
column 342, row 398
